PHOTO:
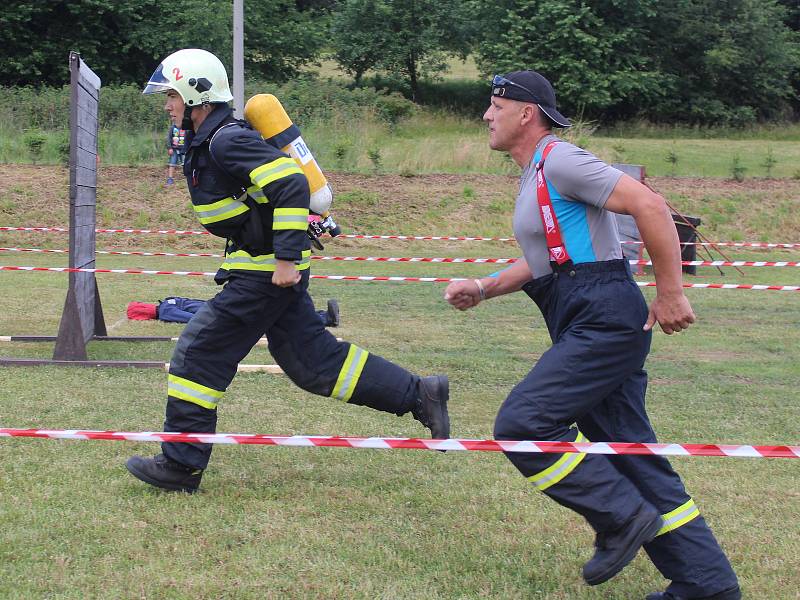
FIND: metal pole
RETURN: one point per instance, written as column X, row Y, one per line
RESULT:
column 238, row 58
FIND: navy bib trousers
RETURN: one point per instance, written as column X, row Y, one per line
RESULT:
column 590, row 386
column 223, row 332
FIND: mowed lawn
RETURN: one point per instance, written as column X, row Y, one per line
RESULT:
column 342, row 523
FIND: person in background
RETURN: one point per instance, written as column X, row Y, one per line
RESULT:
column 177, row 309
column 590, row 384
column 176, row 148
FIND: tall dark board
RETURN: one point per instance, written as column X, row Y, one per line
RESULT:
column 83, row 313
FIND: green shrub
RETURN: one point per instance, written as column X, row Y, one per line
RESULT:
column 738, row 170
column 142, row 220
column 461, row 96
column 672, row 159
column 769, row 162
column 392, row 108
column 34, row 142
column 374, row 155
column 340, row 151
column 123, row 107
column 312, row 99
column 63, row 147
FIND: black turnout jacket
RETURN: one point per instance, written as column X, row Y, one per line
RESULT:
column 249, row 192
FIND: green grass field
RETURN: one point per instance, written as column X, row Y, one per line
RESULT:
column 341, row 523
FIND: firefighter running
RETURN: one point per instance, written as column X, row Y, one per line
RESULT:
column 249, row 192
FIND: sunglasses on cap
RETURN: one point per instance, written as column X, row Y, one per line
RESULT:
column 499, row 80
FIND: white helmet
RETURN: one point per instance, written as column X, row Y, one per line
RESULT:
column 197, row 75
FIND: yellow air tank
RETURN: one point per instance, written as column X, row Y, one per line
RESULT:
column 267, row 115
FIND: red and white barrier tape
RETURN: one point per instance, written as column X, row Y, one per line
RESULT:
column 529, row 447
column 410, row 259
column 446, row 238
column 511, row 239
column 719, row 286
column 120, row 252
column 458, row 238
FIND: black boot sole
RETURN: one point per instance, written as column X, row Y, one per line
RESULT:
column 645, row 535
column 172, row 487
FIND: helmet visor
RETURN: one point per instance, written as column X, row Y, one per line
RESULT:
column 156, row 88
column 157, row 84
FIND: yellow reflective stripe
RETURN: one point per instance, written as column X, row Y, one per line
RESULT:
column 184, row 389
column 257, row 194
column 351, row 371
column 220, row 210
column 242, row 260
column 680, row 516
column 290, row 218
column 559, row 469
column 272, row 171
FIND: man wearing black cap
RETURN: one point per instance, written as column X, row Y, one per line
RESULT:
column 590, row 385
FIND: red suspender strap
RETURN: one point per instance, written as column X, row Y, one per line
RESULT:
column 555, row 244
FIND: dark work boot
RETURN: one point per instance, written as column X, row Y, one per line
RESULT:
column 165, row 473
column 431, row 407
column 333, row 313
column 615, row 549
column 733, row 593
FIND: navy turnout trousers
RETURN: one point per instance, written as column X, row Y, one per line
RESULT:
column 224, row 331
column 590, row 385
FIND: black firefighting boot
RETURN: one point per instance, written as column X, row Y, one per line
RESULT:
column 333, row 313
column 431, row 406
column 733, row 593
column 162, row 472
column 615, row 549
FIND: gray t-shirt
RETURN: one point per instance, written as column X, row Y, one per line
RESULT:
column 579, row 184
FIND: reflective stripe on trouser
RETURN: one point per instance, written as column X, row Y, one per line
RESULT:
column 356, row 376
column 586, row 362
column 593, row 376
column 559, row 469
column 680, row 516
column 223, row 332
column 191, row 391
column 685, row 551
column 351, row 371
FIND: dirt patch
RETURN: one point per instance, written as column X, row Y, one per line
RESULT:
column 138, row 197
column 698, row 187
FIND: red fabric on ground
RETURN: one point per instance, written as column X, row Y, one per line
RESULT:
column 141, row 311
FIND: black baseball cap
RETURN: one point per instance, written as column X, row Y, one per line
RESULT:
column 529, row 86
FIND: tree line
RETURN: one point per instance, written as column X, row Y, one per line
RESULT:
column 729, row 62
